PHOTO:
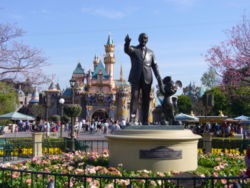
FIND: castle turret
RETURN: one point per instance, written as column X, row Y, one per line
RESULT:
column 122, row 97
column 35, row 97
column 96, row 61
column 109, row 59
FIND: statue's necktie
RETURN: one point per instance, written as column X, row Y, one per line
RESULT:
column 143, row 52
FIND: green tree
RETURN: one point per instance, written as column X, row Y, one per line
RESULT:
column 210, row 79
column 184, row 104
column 220, row 101
column 55, row 118
column 240, row 101
column 8, row 98
column 72, row 110
column 65, row 119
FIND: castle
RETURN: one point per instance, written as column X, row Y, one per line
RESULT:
column 100, row 95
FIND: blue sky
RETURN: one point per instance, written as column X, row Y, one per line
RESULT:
column 180, row 31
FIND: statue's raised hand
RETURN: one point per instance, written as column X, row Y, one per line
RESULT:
column 127, row 39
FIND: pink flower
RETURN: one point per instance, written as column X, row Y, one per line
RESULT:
column 222, row 165
column 15, row 174
column 217, row 159
column 24, row 167
column 78, row 171
column 174, row 172
column 90, row 171
column 28, row 181
column 153, row 183
column 70, row 168
column 215, row 174
column 89, row 179
column 56, row 167
column 223, row 181
column 92, row 157
column 106, row 151
column 81, row 164
column 123, row 182
column 94, row 184
column 64, row 172
column 217, row 168
column 46, row 170
column 160, row 174
column 229, row 186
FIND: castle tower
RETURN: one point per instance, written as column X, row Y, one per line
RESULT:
column 123, row 97
column 109, row 59
column 51, row 99
column 79, row 74
column 21, row 97
column 96, row 61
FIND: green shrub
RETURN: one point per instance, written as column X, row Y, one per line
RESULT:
column 72, row 110
column 55, row 118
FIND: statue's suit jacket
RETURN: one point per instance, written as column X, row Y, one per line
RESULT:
column 141, row 64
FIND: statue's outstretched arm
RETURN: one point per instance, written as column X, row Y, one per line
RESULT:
column 127, row 47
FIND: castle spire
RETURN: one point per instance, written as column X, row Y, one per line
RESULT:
column 121, row 73
column 110, row 41
column 96, row 61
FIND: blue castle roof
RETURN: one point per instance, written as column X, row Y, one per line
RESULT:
column 35, row 97
column 110, row 41
column 100, row 68
column 79, row 69
column 52, row 86
column 67, row 92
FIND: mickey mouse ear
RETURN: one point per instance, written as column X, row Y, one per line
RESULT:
column 178, row 83
column 166, row 79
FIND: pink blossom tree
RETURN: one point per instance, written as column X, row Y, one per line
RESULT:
column 231, row 59
column 18, row 61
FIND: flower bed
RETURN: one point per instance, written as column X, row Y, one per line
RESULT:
column 94, row 164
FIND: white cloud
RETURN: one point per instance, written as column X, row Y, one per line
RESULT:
column 41, row 11
column 183, row 3
column 17, row 17
column 107, row 13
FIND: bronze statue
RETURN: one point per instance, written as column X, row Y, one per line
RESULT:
column 140, row 76
column 169, row 104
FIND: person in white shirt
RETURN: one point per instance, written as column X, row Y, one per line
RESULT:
column 123, row 123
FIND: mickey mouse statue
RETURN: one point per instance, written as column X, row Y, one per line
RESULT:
column 169, row 104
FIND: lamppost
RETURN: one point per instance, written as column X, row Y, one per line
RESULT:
column 61, row 102
column 47, row 104
column 72, row 85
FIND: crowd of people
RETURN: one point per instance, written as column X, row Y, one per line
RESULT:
column 101, row 126
column 105, row 126
column 81, row 126
column 224, row 129
column 26, row 126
